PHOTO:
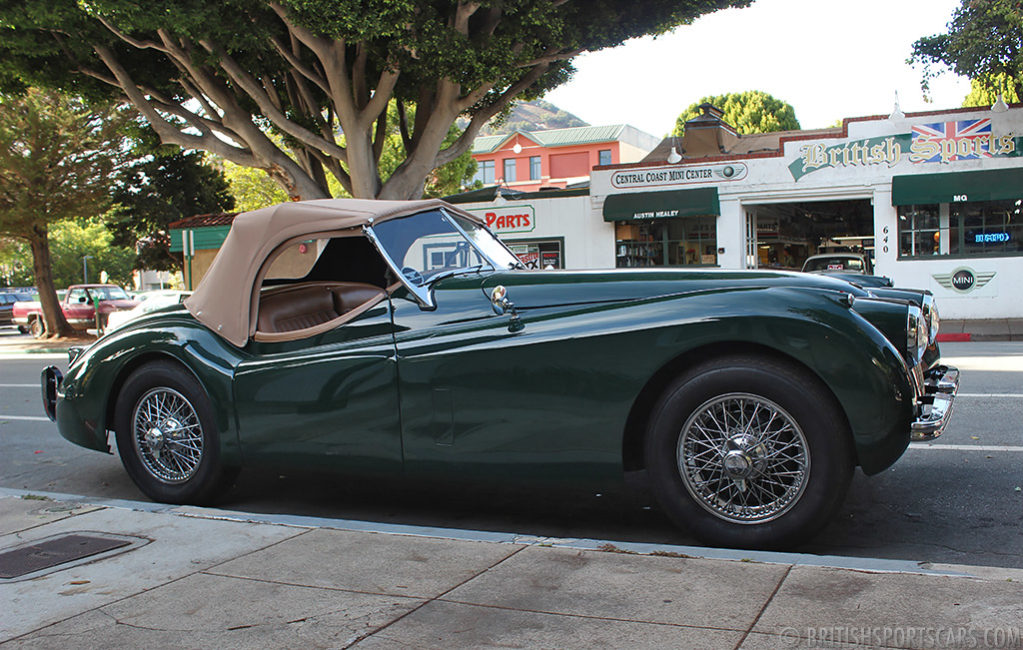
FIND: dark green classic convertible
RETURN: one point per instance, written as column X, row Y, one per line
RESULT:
column 403, row 339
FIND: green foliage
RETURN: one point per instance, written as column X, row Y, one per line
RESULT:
column 984, row 91
column 56, row 158
column 69, row 242
column 163, row 185
column 984, row 42
column 751, row 111
column 202, row 73
column 251, row 188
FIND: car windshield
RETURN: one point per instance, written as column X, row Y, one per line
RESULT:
column 107, row 293
column 854, row 264
column 429, row 245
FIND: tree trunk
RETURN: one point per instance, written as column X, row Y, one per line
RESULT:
column 53, row 315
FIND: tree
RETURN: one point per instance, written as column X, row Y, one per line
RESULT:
column 984, row 43
column 223, row 77
column 752, row 111
column 985, row 91
column 57, row 155
column 72, row 239
column 164, row 184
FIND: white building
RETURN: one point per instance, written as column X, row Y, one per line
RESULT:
column 935, row 197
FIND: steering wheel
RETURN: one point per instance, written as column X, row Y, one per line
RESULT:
column 412, row 275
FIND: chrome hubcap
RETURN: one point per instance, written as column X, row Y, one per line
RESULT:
column 743, row 458
column 167, row 435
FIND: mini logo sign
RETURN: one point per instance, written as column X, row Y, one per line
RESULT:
column 963, row 279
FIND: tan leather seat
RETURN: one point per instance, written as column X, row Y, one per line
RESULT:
column 302, row 306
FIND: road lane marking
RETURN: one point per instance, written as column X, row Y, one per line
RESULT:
column 33, row 418
column 925, row 445
column 19, row 385
column 1013, row 395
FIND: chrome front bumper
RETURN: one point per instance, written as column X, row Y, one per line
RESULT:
column 940, row 385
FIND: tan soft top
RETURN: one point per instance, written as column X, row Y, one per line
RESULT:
column 223, row 301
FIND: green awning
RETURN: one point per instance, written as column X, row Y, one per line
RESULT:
column 662, row 205
column 957, row 187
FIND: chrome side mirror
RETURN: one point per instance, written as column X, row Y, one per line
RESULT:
column 499, row 300
column 500, row 304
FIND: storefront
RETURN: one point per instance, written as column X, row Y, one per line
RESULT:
column 933, row 198
column 549, row 229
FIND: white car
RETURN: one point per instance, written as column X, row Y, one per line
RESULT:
column 148, row 301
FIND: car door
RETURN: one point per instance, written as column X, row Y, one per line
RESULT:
column 329, row 401
column 327, row 395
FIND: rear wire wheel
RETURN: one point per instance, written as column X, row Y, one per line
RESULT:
column 167, row 436
column 749, row 452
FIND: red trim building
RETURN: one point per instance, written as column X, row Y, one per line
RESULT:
column 557, row 158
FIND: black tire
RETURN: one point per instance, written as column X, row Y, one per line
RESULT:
column 781, row 466
column 37, row 328
column 22, row 329
column 167, row 437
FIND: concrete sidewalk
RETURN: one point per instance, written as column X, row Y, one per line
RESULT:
column 205, row 578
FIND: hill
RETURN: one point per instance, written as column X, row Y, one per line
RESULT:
column 536, row 115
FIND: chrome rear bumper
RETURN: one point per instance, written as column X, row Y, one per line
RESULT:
column 941, row 384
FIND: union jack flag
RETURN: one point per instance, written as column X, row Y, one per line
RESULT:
column 955, row 132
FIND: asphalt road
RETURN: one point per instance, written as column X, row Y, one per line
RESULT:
column 957, row 500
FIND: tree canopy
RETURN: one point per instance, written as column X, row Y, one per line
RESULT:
column 57, row 155
column 984, row 42
column 223, row 77
column 161, row 185
column 751, row 111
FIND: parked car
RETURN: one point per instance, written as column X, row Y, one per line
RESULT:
column 79, row 304
column 852, row 267
column 7, row 300
column 148, row 301
column 403, row 339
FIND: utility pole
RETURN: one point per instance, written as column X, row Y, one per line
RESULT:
column 85, row 268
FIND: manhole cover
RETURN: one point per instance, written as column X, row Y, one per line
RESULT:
column 52, row 552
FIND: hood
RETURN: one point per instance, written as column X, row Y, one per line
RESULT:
column 107, row 306
column 536, row 289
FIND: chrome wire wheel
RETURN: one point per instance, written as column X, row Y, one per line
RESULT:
column 743, row 458
column 167, row 435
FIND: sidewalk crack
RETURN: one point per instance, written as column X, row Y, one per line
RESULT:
column 763, row 609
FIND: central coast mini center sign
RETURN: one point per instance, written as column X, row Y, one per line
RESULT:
column 678, row 175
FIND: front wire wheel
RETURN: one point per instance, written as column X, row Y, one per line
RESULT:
column 743, row 458
column 749, row 452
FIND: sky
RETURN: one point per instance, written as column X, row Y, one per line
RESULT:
column 828, row 59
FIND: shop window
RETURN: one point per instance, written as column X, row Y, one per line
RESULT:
column 534, row 168
column 919, row 232
column 973, row 229
column 691, row 241
column 538, row 254
column 485, row 172
column 986, row 228
column 604, row 157
column 509, row 170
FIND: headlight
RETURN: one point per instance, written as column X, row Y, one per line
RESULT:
column 930, row 309
column 917, row 332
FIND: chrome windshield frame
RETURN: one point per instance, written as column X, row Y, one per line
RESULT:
column 423, row 293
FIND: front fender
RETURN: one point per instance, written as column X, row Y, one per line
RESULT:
column 88, row 394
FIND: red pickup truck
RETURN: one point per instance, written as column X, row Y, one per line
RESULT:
column 79, row 307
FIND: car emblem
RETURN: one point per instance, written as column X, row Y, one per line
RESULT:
column 963, row 279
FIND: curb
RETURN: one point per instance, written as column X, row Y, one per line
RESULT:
column 964, row 337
